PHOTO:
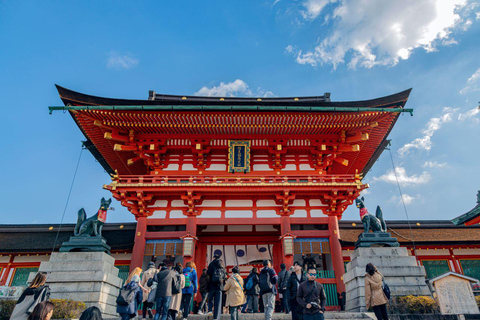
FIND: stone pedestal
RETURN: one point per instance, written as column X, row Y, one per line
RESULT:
column 85, row 244
column 376, row 239
column 401, row 272
column 90, row 277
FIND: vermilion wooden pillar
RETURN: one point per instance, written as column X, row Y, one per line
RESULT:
column 191, row 230
column 3, row 281
column 336, row 252
column 139, row 246
column 284, row 229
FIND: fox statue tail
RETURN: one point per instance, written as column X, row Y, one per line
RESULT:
column 82, row 216
column 379, row 215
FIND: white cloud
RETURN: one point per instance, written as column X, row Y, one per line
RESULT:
column 406, row 198
column 425, row 142
column 364, row 192
column 470, row 114
column 233, row 89
column 473, row 83
column 118, row 61
column 313, row 8
column 434, row 164
column 379, row 32
column 403, row 178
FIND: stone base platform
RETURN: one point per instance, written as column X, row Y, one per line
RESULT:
column 85, row 244
column 401, row 272
column 376, row 239
column 90, row 277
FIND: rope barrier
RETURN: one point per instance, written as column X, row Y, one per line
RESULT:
column 68, row 199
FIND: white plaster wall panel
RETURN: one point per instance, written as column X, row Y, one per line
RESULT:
column 346, row 253
column 211, row 203
column 176, row 214
column 217, row 167
column 211, row 214
column 4, row 259
column 171, row 167
column 238, row 214
column 299, row 203
column 316, row 213
column 290, row 167
column 300, row 214
column 161, row 203
column 290, row 156
column 459, row 252
column 188, row 167
column 214, row 229
column 265, row 228
column 433, row 252
column 158, row 214
column 240, row 228
column 261, row 167
column 10, row 274
column 178, row 204
column 305, row 167
column 122, row 256
column 260, row 156
column 266, row 203
column 31, row 258
column 239, row 203
column 266, row 214
column 315, row 202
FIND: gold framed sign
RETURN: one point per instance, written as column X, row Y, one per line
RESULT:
column 238, row 155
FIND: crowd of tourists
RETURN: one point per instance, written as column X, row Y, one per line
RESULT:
column 170, row 288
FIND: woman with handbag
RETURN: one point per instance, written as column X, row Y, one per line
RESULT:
column 148, row 301
column 33, row 295
column 374, row 295
column 234, row 291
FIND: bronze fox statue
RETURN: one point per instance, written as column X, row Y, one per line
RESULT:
column 93, row 225
column 375, row 223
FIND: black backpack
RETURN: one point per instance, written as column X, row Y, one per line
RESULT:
column 265, row 282
column 218, row 276
column 176, row 284
column 126, row 296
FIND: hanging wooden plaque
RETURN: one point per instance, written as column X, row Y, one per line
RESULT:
column 239, row 156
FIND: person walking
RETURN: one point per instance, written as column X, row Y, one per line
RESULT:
column 267, row 281
column 148, row 274
column 164, row 280
column 92, row 313
column 189, row 290
column 216, row 272
column 204, row 281
column 283, row 276
column 311, row 297
column 176, row 301
column 36, row 292
column 374, row 296
column 296, row 278
column 42, row 311
column 252, row 290
column 130, row 298
column 234, row 291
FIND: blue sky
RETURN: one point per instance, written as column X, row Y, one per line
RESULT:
column 354, row 49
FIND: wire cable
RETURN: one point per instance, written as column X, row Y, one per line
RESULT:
column 68, row 199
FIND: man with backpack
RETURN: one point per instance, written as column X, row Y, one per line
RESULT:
column 296, row 278
column 189, row 290
column 311, row 297
column 267, row 281
column 252, row 291
column 283, row 276
column 216, row 272
column 165, row 281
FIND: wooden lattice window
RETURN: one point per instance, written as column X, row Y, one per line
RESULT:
column 471, row 268
column 21, row 276
column 123, row 272
column 435, row 268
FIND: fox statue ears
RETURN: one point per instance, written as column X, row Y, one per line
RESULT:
column 362, row 198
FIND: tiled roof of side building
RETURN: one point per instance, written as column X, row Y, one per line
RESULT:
column 40, row 238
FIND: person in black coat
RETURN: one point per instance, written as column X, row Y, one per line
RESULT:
column 204, row 281
column 217, row 273
column 253, row 292
column 294, row 281
column 130, row 311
